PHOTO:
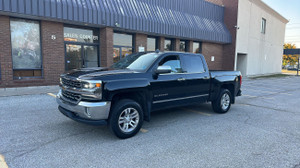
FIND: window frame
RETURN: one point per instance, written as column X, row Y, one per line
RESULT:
column 200, row 47
column 133, row 41
column 156, row 42
column 192, row 55
column 186, row 45
column 41, row 52
column 180, row 63
column 263, row 26
column 84, row 28
column 121, row 46
column 82, row 44
column 172, row 44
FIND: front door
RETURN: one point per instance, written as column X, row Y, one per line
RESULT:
column 81, row 56
column 169, row 89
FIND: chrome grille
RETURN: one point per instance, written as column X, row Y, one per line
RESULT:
column 71, row 83
column 71, row 97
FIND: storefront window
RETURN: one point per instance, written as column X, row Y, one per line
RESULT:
column 122, row 39
column 168, row 45
column 26, row 48
column 197, row 47
column 151, row 44
column 80, row 35
column 123, row 46
column 182, row 46
column 81, row 47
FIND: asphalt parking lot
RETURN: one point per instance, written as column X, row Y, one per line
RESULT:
column 261, row 130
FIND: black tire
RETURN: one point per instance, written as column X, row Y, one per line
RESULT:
column 217, row 104
column 118, row 111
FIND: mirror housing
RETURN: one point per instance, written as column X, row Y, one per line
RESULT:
column 163, row 69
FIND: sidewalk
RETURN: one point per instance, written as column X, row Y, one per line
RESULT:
column 4, row 92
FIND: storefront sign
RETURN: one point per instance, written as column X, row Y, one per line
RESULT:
column 83, row 37
column 80, row 35
column 141, row 49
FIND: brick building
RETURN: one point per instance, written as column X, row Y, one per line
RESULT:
column 39, row 40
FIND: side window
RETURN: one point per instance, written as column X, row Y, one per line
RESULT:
column 173, row 62
column 192, row 64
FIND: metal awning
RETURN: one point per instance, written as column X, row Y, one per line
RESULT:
column 190, row 19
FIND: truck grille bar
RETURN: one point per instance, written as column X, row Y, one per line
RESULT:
column 71, row 97
column 71, row 83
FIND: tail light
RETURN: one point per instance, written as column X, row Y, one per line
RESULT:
column 241, row 77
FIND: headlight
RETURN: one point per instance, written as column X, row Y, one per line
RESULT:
column 92, row 84
column 95, row 87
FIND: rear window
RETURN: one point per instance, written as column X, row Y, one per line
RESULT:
column 192, row 64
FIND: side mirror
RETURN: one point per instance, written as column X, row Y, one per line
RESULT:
column 163, row 69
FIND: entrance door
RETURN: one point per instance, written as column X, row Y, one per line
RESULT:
column 242, row 63
column 73, row 56
column 90, row 56
column 81, row 56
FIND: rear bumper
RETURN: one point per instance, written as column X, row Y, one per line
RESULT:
column 239, row 93
column 84, row 111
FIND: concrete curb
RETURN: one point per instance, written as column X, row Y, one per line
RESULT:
column 4, row 92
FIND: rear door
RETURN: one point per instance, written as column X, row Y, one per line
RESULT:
column 196, row 76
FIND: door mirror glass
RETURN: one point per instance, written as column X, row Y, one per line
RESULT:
column 163, row 69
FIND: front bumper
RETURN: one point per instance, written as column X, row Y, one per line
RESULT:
column 85, row 110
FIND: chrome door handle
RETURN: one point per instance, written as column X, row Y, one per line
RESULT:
column 181, row 79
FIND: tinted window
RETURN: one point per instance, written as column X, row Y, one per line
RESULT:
column 168, row 45
column 182, row 46
column 122, row 39
column 151, row 44
column 26, row 48
column 197, row 47
column 173, row 62
column 192, row 64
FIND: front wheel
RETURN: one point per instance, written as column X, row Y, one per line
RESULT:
column 126, row 118
column 223, row 102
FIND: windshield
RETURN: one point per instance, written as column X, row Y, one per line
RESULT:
column 136, row 61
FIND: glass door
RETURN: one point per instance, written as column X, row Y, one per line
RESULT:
column 73, row 56
column 90, row 56
column 81, row 56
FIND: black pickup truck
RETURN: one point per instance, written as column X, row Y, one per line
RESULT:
column 124, row 95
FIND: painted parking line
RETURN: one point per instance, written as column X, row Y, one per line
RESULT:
column 195, row 111
column 143, row 130
column 264, row 91
column 51, row 94
column 2, row 162
column 270, row 98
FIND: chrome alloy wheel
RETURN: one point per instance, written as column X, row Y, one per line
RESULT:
column 225, row 101
column 128, row 120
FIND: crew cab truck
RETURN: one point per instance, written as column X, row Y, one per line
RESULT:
column 124, row 95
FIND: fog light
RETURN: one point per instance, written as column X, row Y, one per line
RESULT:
column 87, row 113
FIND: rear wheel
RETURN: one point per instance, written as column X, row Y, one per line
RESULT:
column 126, row 118
column 223, row 103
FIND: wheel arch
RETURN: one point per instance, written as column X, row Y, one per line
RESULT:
column 137, row 96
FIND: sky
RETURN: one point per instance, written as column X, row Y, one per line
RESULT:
column 290, row 9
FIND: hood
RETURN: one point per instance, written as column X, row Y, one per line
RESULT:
column 96, row 72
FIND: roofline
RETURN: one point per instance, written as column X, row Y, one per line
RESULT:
column 262, row 4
